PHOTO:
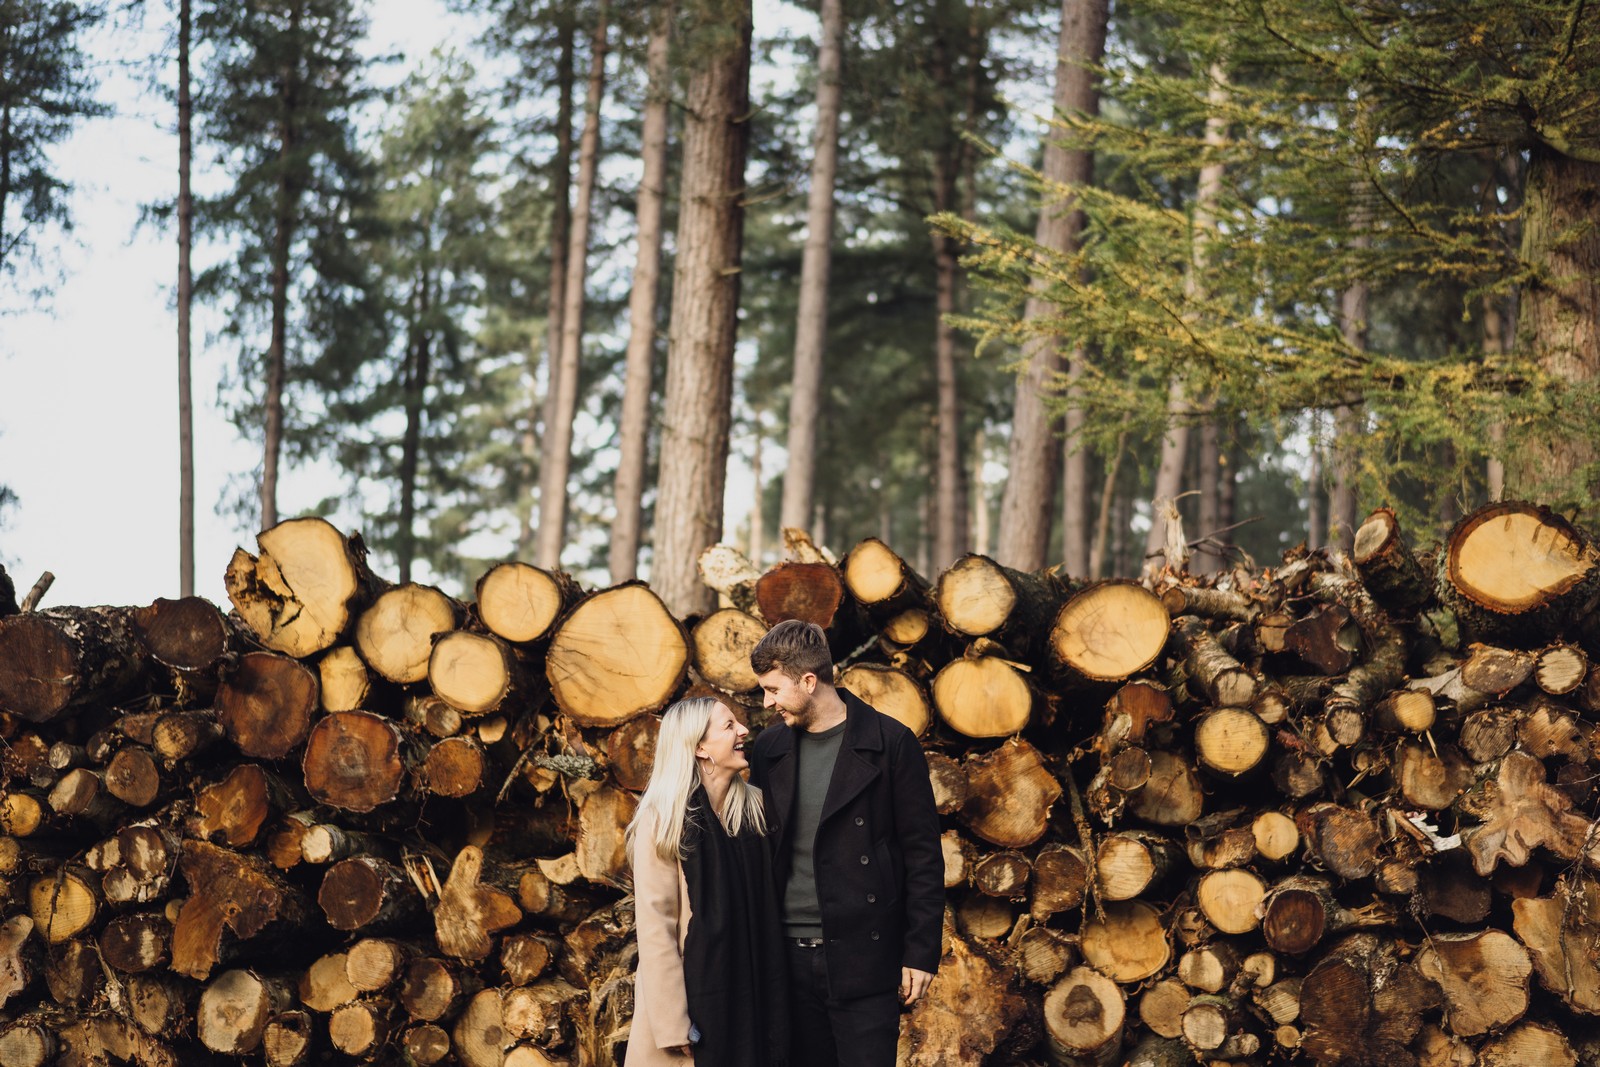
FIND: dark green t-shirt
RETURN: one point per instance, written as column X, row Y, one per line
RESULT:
column 815, row 755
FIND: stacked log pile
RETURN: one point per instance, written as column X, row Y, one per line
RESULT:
column 1340, row 811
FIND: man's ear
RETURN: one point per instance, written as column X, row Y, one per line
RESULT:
column 809, row 680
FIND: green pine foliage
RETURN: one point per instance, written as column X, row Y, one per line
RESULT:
column 419, row 415
column 46, row 89
column 1367, row 143
column 278, row 88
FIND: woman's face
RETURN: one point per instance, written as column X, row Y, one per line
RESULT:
column 722, row 747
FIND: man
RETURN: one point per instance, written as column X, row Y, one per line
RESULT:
column 859, row 862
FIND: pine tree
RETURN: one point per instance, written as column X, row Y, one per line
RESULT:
column 439, row 238
column 705, row 300
column 276, row 99
column 633, row 431
column 1351, row 129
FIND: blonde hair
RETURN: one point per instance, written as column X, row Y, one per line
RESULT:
column 673, row 778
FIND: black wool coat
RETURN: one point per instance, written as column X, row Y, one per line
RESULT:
column 879, row 865
column 734, row 976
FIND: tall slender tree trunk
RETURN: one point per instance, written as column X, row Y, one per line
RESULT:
column 418, row 357
column 811, row 322
column 1347, row 424
column 758, row 533
column 285, row 212
column 185, row 301
column 635, row 421
column 1175, row 444
column 980, row 497
column 705, row 302
column 1108, row 497
column 1228, row 489
column 555, row 305
column 1209, row 515
column 947, row 540
column 1027, row 504
column 556, row 454
column 6, row 149
column 1316, row 523
column 1500, row 312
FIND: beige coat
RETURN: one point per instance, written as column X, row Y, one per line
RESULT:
column 661, row 918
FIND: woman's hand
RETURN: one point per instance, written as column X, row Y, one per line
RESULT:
column 686, row 1051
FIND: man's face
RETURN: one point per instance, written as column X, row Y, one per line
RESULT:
column 793, row 698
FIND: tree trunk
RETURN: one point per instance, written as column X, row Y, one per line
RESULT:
column 285, row 212
column 185, row 300
column 634, row 429
column 758, row 533
column 1559, row 319
column 705, row 303
column 1209, row 559
column 1027, row 505
column 1175, row 444
column 811, row 324
column 418, row 354
column 947, row 540
column 560, row 226
column 555, row 458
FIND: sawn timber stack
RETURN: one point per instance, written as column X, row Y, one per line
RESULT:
column 1339, row 811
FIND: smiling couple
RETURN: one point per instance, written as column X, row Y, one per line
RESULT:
column 786, row 919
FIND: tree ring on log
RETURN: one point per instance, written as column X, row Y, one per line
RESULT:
column 893, row 692
column 975, row 596
column 352, row 761
column 1512, row 558
column 470, row 672
column 981, row 696
column 297, row 595
column 1110, row 631
column 616, row 655
column 520, row 602
column 1130, row 944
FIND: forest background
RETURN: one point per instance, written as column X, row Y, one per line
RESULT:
column 1277, row 262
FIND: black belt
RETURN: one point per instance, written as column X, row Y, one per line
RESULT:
column 806, row 942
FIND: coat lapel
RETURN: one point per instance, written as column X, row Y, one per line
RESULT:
column 853, row 771
column 780, row 782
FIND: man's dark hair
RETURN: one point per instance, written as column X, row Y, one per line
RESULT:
column 796, row 648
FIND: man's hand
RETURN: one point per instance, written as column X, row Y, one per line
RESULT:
column 913, row 983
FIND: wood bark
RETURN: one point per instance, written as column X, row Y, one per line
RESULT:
column 555, row 457
column 1557, row 317
column 811, row 316
column 60, row 658
column 705, row 298
column 628, row 489
column 1026, row 505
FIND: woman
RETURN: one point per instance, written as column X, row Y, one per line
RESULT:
column 709, row 985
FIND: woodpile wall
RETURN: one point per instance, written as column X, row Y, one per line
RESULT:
column 1340, row 811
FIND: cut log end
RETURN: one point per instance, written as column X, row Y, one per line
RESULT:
column 982, row 696
column 1110, row 631
column 520, row 602
column 617, row 654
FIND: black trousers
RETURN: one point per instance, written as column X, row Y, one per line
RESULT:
column 861, row 1032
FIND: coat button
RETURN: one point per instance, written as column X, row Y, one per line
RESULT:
column 865, row 861
column 874, row 935
column 872, row 898
column 860, row 821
